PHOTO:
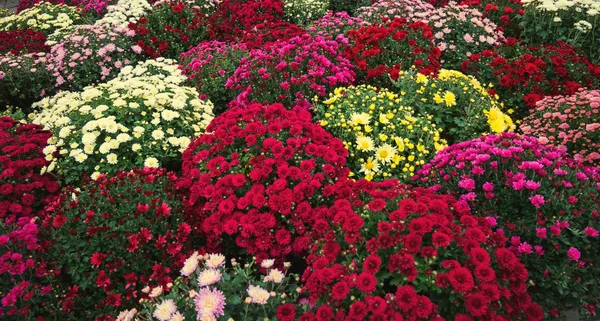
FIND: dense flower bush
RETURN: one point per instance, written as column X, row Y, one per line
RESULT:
column 27, row 282
column 256, row 178
column 544, row 201
column 570, row 121
column 117, row 235
column 26, row 4
column 460, row 31
column 384, row 136
column 91, row 54
column 124, row 12
column 232, row 17
column 421, row 255
column 267, row 34
column 24, row 192
column 18, row 41
column 460, row 106
column 208, row 66
column 383, row 50
column 170, row 29
column 575, row 22
column 523, row 75
column 381, row 10
column 217, row 291
column 304, row 11
column 335, row 25
column 506, row 14
column 44, row 17
column 24, row 79
column 144, row 117
column 290, row 72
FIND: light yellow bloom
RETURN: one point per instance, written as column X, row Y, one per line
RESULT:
column 360, row 119
column 385, row 153
column 112, row 158
column 151, row 162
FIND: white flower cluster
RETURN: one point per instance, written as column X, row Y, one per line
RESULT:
column 124, row 12
column 591, row 7
column 583, row 26
column 42, row 17
column 303, row 11
column 141, row 118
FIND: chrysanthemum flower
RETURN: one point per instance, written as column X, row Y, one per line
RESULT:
column 209, row 303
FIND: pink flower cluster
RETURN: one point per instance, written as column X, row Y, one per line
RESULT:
column 21, row 275
column 569, row 121
column 460, row 31
column 382, row 10
column 531, row 189
column 91, row 54
column 290, row 72
column 335, row 25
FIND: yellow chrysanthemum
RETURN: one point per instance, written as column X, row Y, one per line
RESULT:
column 422, row 79
column 360, row 119
column 385, row 153
column 364, row 143
column 499, row 122
column 437, row 98
column 369, row 167
column 449, row 98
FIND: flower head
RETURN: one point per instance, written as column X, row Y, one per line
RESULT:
column 209, row 277
column 209, row 303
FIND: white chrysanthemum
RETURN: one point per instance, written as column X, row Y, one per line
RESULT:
column 165, row 310
column 158, row 134
column 156, row 292
column 112, row 158
column 258, row 295
column 151, row 162
column 267, row 263
column 209, row 277
column 275, row 276
column 189, row 266
column 215, row 260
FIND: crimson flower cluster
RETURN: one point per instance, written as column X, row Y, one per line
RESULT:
column 523, row 75
column 26, row 41
column 115, row 236
column 506, row 14
column 290, row 72
column 257, row 178
column 25, row 280
column 23, row 190
column 234, row 17
column 170, row 29
column 266, row 34
column 391, row 254
column 546, row 202
column 386, row 49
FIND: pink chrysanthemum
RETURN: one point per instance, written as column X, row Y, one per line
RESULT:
column 209, row 303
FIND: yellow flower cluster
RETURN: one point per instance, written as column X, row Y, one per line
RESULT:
column 384, row 137
column 142, row 118
column 460, row 105
column 44, row 17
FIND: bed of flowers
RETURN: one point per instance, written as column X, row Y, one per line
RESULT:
column 312, row 160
